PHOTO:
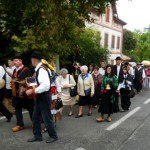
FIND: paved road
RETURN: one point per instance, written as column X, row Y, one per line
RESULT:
column 127, row 131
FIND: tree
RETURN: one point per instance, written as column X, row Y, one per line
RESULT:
column 46, row 25
column 129, row 41
column 142, row 50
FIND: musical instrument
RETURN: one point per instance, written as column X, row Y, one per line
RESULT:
column 108, row 87
column 20, row 86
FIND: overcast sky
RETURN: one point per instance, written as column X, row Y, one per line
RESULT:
column 136, row 13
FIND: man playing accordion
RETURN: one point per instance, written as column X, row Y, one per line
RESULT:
column 20, row 100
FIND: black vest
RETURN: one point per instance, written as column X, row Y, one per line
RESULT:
column 138, row 74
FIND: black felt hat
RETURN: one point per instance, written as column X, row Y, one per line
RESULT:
column 118, row 58
column 17, row 57
column 36, row 55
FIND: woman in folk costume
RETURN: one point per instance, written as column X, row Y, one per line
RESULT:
column 97, row 85
column 108, row 88
column 124, row 88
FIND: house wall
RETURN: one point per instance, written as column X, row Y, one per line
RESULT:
column 111, row 28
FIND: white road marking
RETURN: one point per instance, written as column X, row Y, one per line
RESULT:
column 1, row 118
column 120, row 121
column 147, row 101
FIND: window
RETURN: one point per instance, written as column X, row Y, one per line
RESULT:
column 118, row 42
column 106, row 40
column 107, row 14
column 113, row 42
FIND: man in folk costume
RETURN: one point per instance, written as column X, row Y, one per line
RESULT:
column 139, row 77
column 3, row 109
column 42, row 103
column 118, row 72
column 21, row 72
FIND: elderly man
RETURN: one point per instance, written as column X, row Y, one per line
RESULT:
column 21, row 72
column 3, row 109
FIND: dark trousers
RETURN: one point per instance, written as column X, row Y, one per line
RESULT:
column 19, row 104
column 138, row 85
column 42, row 108
column 116, row 103
column 3, row 109
column 125, row 100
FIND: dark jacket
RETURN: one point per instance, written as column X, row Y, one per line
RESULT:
column 120, row 72
column 138, row 74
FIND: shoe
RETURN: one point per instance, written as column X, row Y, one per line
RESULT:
column 122, row 110
column 17, row 128
column 9, row 119
column 89, row 114
column 69, row 115
column 34, row 139
column 109, row 119
column 99, row 119
column 79, row 116
column 51, row 140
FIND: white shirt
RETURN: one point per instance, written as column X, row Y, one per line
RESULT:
column 131, row 71
column 122, row 85
column 143, row 74
column 118, row 69
column 43, row 79
column 8, row 78
column 2, row 72
column 57, row 84
column 102, row 71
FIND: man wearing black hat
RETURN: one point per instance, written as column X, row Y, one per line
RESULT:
column 118, row 72
column 42, row 103
column 21, row 72
column 139, row 77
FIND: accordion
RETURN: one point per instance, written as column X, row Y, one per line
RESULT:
column 17, row 86
column 20, row 86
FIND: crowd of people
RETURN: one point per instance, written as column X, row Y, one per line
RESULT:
column 96, row 87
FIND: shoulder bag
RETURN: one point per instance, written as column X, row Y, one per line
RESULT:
column 73, row 90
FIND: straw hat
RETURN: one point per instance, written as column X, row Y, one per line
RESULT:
column 2, row 83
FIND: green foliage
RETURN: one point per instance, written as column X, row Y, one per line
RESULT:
column 129, row 41
column 45, row 25
column 90, row 49
column 140, row 51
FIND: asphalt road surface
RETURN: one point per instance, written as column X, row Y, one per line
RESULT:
column 127, row 131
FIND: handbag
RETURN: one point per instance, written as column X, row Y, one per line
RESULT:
column 132, row 93
column 88, row 91
column 58, row 104
column 73, row 90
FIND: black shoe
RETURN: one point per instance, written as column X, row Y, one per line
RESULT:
column 34, row 139
column 9, row 119
column 51, row 140
column 79, row 116
column 89, row 114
